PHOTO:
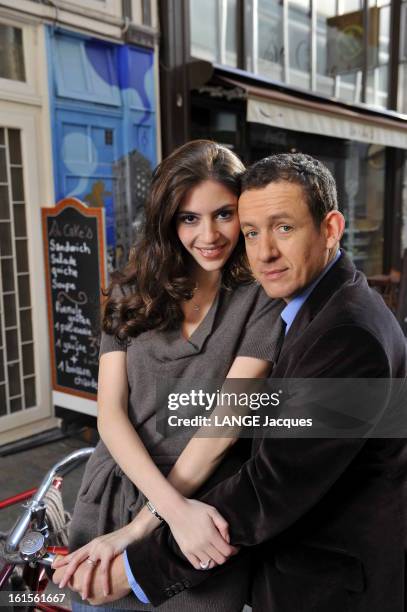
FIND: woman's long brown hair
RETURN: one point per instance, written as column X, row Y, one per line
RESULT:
column 156, row 277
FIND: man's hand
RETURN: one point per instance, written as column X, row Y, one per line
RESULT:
column 119, row 586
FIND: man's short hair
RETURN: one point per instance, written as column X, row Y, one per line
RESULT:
column 312, row 175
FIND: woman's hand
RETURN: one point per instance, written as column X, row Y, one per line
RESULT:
column 102, row 549
column 201, row 533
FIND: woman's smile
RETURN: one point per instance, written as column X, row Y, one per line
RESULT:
column 211, row 252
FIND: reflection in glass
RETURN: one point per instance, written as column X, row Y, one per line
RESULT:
column 299, row 41
column 11, row 53
column 14, row 378
column 20, row 227
column 325, row 81
column 22, row 255
column 9, row 302
column 379, row 55
column 26, row 328
column 28, row 359
column 29, row 392
column 14, row 146
column 363, row 198
column 213, row 28
column 3, row 403
column 5, row 238
column 7, row 274
column 270, row 61
column 3, row 166
column 16, row 405
column 17, row 184
column 4, row 203
column 24, row 290
column 12, row 345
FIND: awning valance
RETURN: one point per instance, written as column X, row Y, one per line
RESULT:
column 286, row 111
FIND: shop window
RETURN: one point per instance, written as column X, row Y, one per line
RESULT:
column 17, row 360
column 317, row 45
column 402, row 84
column 270, row 53
column 299, row 43
column 362, row 192
column 93, row 62
column 359, row 171
column 11, row 53
column 213, row 28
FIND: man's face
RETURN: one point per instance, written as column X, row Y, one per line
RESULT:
column 286, row 250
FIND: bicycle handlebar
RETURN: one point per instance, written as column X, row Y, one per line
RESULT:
column 23, row 522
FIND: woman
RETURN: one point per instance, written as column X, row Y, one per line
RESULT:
column 185, row 306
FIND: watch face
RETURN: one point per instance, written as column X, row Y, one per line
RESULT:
column 32, row 543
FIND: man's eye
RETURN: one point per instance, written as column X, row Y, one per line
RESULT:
column 250, row 235
column 285, row 229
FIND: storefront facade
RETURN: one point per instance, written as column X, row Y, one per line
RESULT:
column 317, row 77
column 78, row 117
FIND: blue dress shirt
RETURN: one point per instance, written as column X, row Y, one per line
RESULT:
column 288, row 315
column 136, row 588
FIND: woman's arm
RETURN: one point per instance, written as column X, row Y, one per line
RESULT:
column 202, row 455
column 120, row 437
column 194, row 466
column 131, row 455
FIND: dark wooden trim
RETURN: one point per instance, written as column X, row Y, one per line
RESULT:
column 395, row 26
column 365, row 50
column 402, row 300
column 393, row 209
column 174, row 56
column 240, row 34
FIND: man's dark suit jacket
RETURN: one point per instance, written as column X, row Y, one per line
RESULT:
column 327, row 516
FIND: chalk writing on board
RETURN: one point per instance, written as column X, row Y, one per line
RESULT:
column 74, row 245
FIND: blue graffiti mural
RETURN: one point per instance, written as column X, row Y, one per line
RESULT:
column 103, row 114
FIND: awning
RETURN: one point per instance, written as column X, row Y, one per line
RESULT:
column 287, row 111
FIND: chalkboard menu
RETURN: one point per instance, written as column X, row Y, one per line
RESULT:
column 75, row 268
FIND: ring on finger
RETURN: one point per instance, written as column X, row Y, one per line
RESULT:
column 91, row 561
column 204, row 565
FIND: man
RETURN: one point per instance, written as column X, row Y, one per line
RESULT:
column 327, row 516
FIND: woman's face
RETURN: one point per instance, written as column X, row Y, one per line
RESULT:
column 208, row 225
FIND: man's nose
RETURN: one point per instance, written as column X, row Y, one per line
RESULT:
column 267, row 249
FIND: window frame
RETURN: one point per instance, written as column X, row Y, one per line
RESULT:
column 27, row 88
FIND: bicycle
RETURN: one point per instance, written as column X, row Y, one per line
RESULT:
column 28, row 551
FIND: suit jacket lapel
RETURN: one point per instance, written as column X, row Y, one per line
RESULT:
column 341, row 272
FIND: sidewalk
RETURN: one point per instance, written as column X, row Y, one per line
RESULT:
column 25, row 470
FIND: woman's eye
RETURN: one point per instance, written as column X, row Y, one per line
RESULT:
column 225, row 214
column 187, row 219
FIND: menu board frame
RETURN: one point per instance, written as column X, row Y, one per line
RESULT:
column 54, row 212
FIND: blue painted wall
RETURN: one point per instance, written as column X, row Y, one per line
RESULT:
column 103, row 116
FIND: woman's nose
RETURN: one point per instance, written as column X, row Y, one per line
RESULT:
column 210, row 232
